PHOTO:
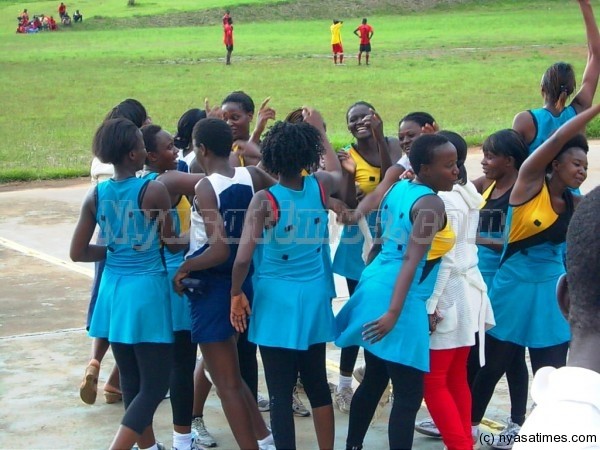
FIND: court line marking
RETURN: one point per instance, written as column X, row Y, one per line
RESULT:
column 45, row 257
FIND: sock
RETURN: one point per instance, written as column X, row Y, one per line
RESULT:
column 266, row 441
column 474, row 430
column 154, row 447
column 344, row 382
column 182, row 441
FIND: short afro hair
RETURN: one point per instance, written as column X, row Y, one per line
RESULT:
column 583, row 264
column 241, row 98
column 215, row 134
column 290, row 147
column 114, row 139
column 419, row 117
column 422, row 150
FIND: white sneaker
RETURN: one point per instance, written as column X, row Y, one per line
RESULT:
column 428, row 428
column 343, row 399
column 359, row 373
column 200, row 434
column 263, row 403
column 297, row 405
column 506, row 438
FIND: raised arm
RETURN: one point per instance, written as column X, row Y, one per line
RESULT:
column 81, row 250
column 585, row 96
column 532, row 172
column 265, row 113
column 428, row 220
column 254, row 224
column 332, row 176
column 180, row 183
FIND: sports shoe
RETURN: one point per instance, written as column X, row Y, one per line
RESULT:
column 359, row 373
column 343, row 398
column 263, row 403
column 506, row 438
column 200, row 434
column 428, row 428
column 297, row 405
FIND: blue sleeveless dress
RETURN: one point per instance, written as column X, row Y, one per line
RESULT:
column 180, row 306
column 211, row 304
column 292, row 299
column 408, row 342
column 133, row 303
column 523, row 293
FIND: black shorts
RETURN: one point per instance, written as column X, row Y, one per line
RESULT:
column 229, row 48
column 364, row 48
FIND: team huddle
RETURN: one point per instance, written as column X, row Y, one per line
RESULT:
column 218, row 238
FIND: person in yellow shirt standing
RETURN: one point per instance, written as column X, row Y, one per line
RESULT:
column 336, row 41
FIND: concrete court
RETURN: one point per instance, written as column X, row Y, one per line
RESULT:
column 44, row 347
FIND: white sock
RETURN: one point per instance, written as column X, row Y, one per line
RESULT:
column 182, row 441
column 154, row 447
column 266, row 441
column 344, row 382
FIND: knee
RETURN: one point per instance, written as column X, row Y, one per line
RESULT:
column 318, row 394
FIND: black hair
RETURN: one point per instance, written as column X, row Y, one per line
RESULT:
column 422, row 150
column 583, row 264
column 461, row 153
column 243, row 99
column 129, row 109
column 422, row 118
column 507, row 143
column 149, row 133
column 114, row 139
column 215, row 134
column 578, row 141
column 290, row 147
column 359, row 103
column 558, row 82
column 335, row 21
column 364, row 21
column 295, row 116
column 185, row 126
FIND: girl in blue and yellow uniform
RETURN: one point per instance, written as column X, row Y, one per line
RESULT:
column 133, row 308
column 161, row 165
column 291, row 317
column 387, row 314
column 524, row 290
column 365, row 163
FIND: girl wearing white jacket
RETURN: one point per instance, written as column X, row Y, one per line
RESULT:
column 458, row 308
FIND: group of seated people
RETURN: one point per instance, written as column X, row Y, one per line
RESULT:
column 44, row 22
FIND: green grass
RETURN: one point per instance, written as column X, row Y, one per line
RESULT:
column 56, row 87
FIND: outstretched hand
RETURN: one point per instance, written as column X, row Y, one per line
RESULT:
column 313, row 117
column 265, row 113
column 240, row 310
column 216, row 112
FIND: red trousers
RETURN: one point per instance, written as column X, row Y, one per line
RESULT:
column 448, row 396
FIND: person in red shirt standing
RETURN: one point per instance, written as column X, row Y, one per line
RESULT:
column 365, row 33
column 62, row 9
column 228, row 39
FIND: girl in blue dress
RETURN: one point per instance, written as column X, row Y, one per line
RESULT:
column 161, row 165
column 291, row 317
column 523, row 293
column 387, row 314
column 133, row 308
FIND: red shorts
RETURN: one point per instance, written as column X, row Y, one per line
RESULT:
column 337, row 48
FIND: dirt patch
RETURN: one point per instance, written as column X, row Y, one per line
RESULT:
column 42, row 184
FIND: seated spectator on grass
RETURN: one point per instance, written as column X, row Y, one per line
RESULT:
column 66, row 20
column 77, row 17
column 52, row 24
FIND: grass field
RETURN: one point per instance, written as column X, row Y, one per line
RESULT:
column 473, row 65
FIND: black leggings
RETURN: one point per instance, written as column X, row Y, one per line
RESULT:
column 408, row 395
column 349, row 354
column 506, row 357
column 182, row 378
column 281, row 370
column 248, row 364
column 145, row 371
column 517, row 376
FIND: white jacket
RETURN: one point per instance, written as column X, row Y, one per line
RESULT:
column 460, row 294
